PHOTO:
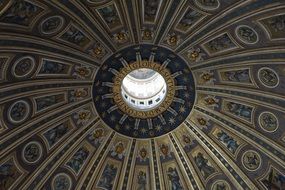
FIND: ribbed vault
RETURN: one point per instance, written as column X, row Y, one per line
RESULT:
column 220, row 127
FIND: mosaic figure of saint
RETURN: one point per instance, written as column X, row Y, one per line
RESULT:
column 174, row 178
column 203, row 165
column 142, row 181
column 108, row 176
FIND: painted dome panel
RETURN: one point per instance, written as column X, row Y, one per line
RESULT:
column 142, row 94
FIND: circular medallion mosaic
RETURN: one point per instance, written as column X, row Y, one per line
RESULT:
column 251, row 160
column 268, row 121
column 32, row 152
column 247, row 34
column 268, row 77
column 23, row 66
column 61, row 181
column 143, row 63
column 220, row 184
column 51, row 25
column 18, row 112
column 208, row 5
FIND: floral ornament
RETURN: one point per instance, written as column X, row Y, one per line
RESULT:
column 165, row 151
column 97, row 51
column 143, row 154
column 202, row 122
column 118, row 150
column 172, row 39
column 97, row 136
column 78, row 94
column 195, row 55
column 207, row 77
column 211, row 101
column 82, row 117
column 121, row 37
column 82, row 72
column 147, row 34
column 186, row 139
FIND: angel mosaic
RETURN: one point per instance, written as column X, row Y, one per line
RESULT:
column 195, row 54
column 240, row 110
column 141, row 181
column 82, row 72
column 275, row 25
column 274, row 180
column 21, row 12
column 187, row 141
column 52, row 67
column 143, row 154
column 78, row 94
column 78, row 159
column 118, row 150
column 203, row 165
column 55, row 134
column 165, row 151
column 207, row 77
column 82, row 117
column 211, row 101
column 151, row 9
column 220, row 43
column 75, row 36
column 189, row 18
column 174, row 179
column 108, row 176
column 231, row 144
column 8, row 174
column 110, row 15
column 97, row 136
column 237, row 76
column 47, row 101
